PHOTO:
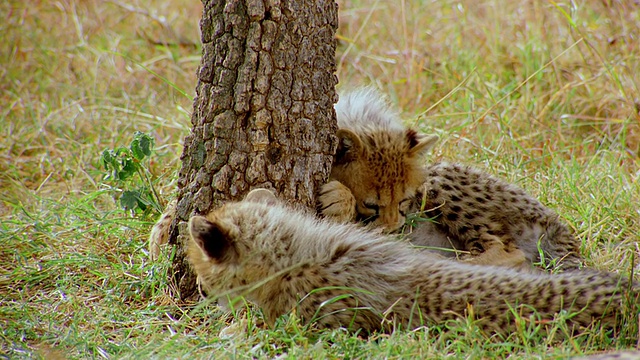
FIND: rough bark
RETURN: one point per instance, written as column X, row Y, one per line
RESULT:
column 263, row 114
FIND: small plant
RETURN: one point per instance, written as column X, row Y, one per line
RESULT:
column 122, row 164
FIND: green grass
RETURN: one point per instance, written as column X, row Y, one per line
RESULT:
column 543, row 95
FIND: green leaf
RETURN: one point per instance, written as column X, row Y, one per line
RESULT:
column 106, row 158
column 141, row 145
column 129, row 200
column 122, row 152
column 146, row 143
column 136, row 150
column 129, row 167
column 110, row 160
column 142, row 205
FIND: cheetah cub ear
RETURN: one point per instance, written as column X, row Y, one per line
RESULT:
column 419, row 144
column 263, row 196
column 213, row 239
column 349, row 146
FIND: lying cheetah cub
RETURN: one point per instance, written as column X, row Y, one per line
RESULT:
column 379, row 176
column 340, row 275
column 496, row 222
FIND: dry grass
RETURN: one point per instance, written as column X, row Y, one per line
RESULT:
column 543, row 94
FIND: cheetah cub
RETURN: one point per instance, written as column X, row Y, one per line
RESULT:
column 379, row 177
column 340, row 275
column 497, row 223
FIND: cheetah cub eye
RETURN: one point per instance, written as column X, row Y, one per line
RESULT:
column 373, row 207
column 368, row 211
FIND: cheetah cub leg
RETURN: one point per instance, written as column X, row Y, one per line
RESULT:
column 336, row 202
column 496, row 254
column 160, row 232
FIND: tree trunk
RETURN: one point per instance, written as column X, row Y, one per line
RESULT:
column 263, row 115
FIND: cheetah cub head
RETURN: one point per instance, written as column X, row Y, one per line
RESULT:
column 222, row 241
column 383, row 169
column 378, row 158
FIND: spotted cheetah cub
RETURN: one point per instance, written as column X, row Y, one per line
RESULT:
column 340, row 275
column 495, row 222
column 379, row 176
column 378, row 165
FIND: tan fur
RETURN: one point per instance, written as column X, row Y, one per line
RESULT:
column 379, row 168
column 378, row 161
column 340, row 275
column 160, row 232
column 493, row 220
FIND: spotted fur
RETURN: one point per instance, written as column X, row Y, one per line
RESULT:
column 378, row 164
column 379, row 176
column 340, row 275
column 496, row 222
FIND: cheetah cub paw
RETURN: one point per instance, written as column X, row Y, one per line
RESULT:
column 336, row 202
column 497, row 254
column 160, row 232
